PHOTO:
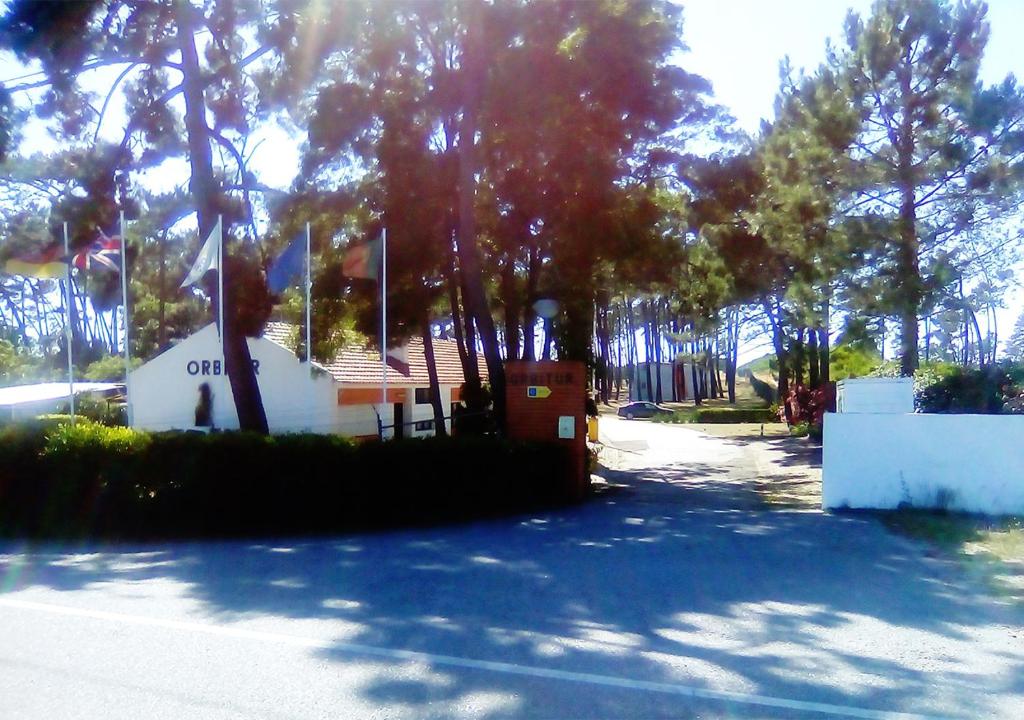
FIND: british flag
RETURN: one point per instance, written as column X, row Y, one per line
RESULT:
column 103, row 254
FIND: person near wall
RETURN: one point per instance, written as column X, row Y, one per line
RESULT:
column 204, row 408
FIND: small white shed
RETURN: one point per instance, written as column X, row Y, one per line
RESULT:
column 875, row 395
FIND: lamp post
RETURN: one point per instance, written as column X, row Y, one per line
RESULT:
column 546, row 308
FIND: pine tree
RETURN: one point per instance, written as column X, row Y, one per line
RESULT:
column 937, row 153
column 1015, row 345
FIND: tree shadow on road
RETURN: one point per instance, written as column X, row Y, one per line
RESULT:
column 674, row 578
column 790, row 451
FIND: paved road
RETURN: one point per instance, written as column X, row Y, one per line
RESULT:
column 674, row 593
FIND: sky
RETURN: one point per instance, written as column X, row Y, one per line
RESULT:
column 737, row 45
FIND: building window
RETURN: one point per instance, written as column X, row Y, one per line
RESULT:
column 424, row 426
column 423, row 396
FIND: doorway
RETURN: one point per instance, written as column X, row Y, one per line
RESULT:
column 399, row 420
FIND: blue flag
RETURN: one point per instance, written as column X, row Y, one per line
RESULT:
column 290, row 264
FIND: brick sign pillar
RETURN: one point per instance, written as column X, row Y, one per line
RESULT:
column 546, row 400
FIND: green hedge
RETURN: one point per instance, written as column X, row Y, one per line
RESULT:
column 729, row 415
column 720, row 415
column 91, row 480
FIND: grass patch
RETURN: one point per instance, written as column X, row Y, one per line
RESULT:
column 992, row 548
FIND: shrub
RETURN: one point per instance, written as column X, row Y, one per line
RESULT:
column 942, row 387
column 97, row 409
column 718, row 415
column 988, row 390
column 927, row 374
column 806, row 405
column 109, row 368
column 678, row 417
column 91, row 480
column 852, row 361
column 735, row 415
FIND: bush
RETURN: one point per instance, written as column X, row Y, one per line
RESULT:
column 109, row 368
column 97, row 409
column 800, row 429
column 852, row 361
column 91, row 480
column 990, row 390
column 942, row 387
column 678, row 417
column 735, row 415
column 806, row 406
column 927, row 375
column 718, row 415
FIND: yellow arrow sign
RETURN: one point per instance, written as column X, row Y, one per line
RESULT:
column 537, row 391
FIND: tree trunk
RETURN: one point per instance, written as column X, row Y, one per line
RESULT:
column 470, row 371
column 606, row 350
column 469, row 258
column 824, row 354
column 813, row 359
column 798, row 354
column 909, row 274
column 618, row 352
column 648, row 348
column 435, row 386
column 694, row 378
column 977, row 332
column 529, row 314
column 549, row 338
column 161, row 317
column 731, row 351
column 779, row 343
column 237, row 360
column 511, row 303
column 718, row 363
column 656, row 332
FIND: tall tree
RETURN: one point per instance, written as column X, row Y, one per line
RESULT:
column 1015, row 345
column 939, row 154
column 150, row 43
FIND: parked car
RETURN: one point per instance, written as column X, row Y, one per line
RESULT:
column 642, row 410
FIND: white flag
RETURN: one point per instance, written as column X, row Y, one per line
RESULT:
column 209, row 257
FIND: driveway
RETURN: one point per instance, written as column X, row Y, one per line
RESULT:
column 673, row 593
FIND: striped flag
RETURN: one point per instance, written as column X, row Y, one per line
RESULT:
column 47, row 263
column 362, row 261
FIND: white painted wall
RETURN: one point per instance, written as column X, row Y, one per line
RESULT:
column 415, row 412
column 972, row 463
column 164, row 392
column 875, row 395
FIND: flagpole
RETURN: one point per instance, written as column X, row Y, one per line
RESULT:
column 309, row 286
column 220, row 281
column 384, row 327
column 124, row 314
column 68, row 334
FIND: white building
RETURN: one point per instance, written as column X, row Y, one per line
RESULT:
column 676, row 382
column 21, row 402
column 342, row 396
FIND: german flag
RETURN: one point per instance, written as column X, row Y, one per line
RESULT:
column 46, row 263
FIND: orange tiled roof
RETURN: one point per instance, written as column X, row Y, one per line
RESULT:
column 361, row 365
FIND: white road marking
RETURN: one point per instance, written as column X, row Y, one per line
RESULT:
column 467, row 663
